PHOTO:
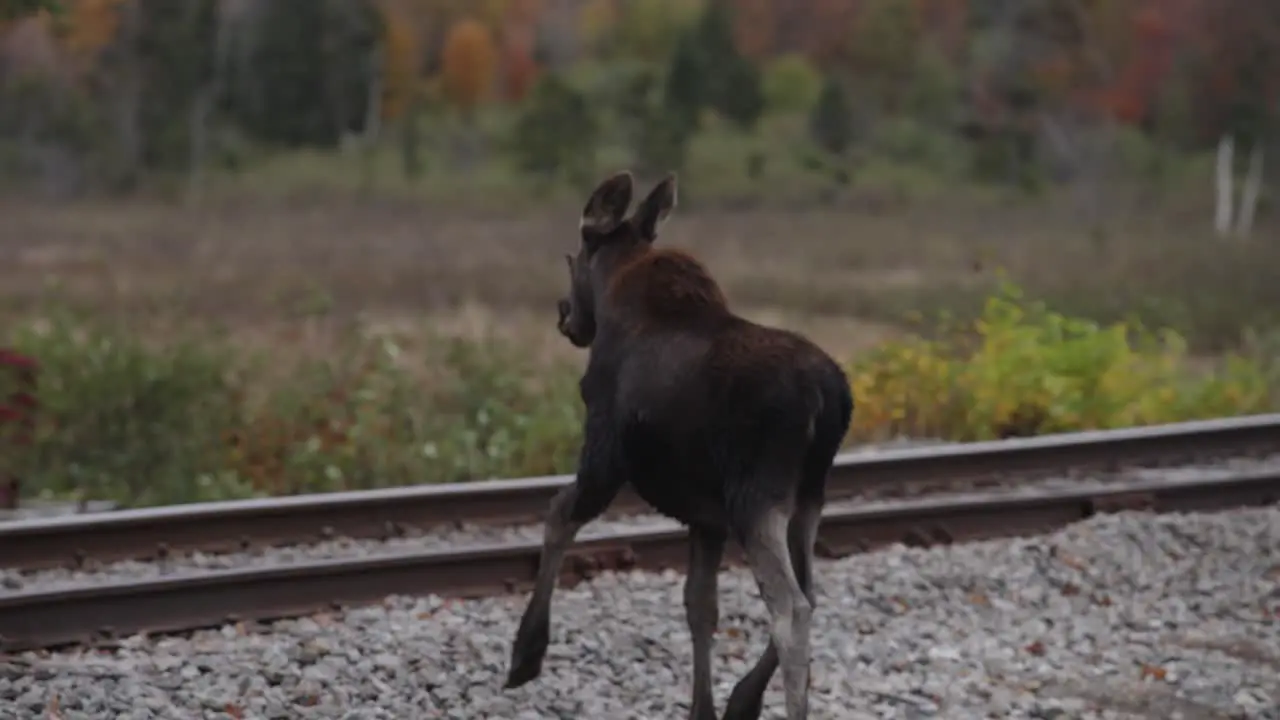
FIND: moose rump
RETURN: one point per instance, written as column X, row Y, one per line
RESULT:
column 714, row 435
column 725, row 425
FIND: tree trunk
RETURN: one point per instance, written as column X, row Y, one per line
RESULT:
column 125, row 115
column 1252, row 190
column 372, row 120
column 1222, row 212
column 203, row 103
column 411, row 139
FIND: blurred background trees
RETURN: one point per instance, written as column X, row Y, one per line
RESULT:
column 101, row 95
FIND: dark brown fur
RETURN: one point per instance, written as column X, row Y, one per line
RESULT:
column 666, row 286
column 723, row 424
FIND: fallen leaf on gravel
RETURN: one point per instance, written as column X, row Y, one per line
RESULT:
column 234, row 711
column 1155, row 672
column 1036, row 648
column 1070, row 589
column 733, row 632
column 1068, row 559
column 980, row 599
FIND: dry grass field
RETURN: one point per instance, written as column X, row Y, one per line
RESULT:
column 286, row 274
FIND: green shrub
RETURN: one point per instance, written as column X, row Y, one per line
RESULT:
column 912, row 142
column 935, row 89
column 791, row 84
column 188, row 420
column 122, row 420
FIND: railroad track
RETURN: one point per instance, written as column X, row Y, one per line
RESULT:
column 90, row 612
column 156, row 533
column 95, row 612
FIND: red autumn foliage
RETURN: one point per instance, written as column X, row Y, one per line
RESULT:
column 519, row 69
column 17, row 415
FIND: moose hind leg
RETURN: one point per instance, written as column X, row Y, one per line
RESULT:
column 802, row 537
column 747, row 699
column 790, row 611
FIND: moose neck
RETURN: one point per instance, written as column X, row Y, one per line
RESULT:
column 645, row 289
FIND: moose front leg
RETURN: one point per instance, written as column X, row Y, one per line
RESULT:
column 702, row 608
column 598, row 482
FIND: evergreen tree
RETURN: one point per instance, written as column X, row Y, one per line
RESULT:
column 557, row 132
column 831, row 122
column 685, row 92
column 307, row 78
column 175, row 43
column 741, row 92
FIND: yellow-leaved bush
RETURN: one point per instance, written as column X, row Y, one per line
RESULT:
column 1021, row 369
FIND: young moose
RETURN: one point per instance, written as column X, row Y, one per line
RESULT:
column 724, row 425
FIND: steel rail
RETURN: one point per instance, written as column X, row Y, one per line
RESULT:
column 235, row 525
column 90, row 613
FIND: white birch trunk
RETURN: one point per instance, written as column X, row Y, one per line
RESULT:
column 1222, row 212
column 1252, row 190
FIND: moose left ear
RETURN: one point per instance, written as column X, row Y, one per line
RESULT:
column 607, row 204
column 655, row 208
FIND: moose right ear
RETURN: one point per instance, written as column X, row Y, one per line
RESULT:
column 607, row 205
column 654, row 209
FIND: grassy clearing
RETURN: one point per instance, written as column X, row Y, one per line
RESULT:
column 197, row 418
column 260, row 267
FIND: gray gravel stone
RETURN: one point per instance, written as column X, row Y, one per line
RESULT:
column 1123, row 616
column 443, row 538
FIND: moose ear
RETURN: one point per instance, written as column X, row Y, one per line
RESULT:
column 655, row 208
column 607, row 205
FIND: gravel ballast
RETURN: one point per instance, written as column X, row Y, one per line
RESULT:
column 462, row 534
column 1123, row 616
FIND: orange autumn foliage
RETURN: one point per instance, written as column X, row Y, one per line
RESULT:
column 468, row 63
column 403, row 61
column 90, row 26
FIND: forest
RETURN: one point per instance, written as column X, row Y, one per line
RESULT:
column 108, row 95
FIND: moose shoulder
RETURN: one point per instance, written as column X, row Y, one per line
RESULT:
column 728, row 426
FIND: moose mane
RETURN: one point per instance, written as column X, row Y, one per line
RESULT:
column 666, row 286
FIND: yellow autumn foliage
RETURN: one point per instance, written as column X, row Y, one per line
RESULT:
column 1021, row 369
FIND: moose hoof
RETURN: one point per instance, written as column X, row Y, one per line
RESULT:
column 522, row 672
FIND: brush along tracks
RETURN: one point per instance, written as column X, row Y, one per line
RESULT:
column 242, row 526
column 93, row 612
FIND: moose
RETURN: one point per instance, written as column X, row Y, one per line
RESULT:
column 725, row 425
